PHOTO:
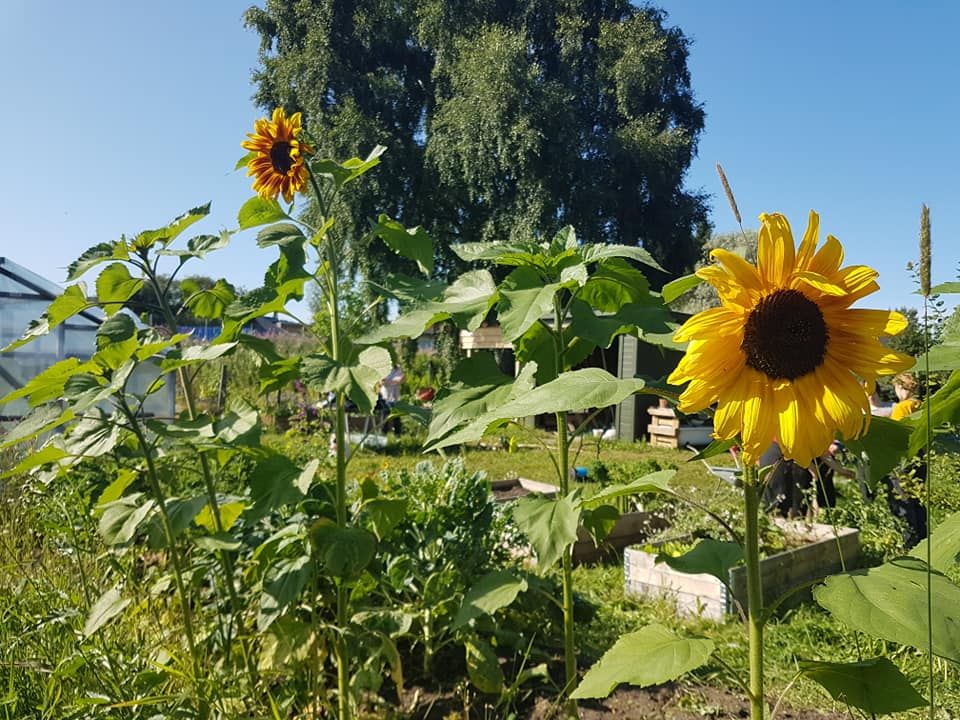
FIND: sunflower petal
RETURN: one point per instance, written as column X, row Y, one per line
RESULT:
column 742, row 272
column 809, row 243
column 715, row 322
column 775, row 250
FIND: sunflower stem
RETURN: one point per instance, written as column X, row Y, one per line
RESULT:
column 755, row 615
column 928, row 442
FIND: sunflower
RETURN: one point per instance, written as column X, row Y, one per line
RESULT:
column 277, row 158
column 785, row 357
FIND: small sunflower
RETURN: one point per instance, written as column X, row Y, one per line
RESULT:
column 785, row 355
column 278, row 165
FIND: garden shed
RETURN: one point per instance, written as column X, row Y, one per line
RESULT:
column 24, row 296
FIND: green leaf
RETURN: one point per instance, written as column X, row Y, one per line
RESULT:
column 93, row 436
column 467, row 302
column 537, row 346
column 655, row 482
column 245, row 160
column 524, row 299
column 281, row 234
column 355, row 377
column 273, row 484
column 875, row 686
column 885, row 443
column 259, row 211
column 345, row 172
column 408, row 289
column 73, row 301
column 95, row 255
column 115, row 489
column 890, row 602
column 169, row 233
column 195, row 355
column 599, row 521
column 597, row 252
column 385, row 514
column 289, row 641
column 344, row 551
column 414, row 244
column 615, row 284
column 477, row 389
column 282, row 585
column 208, row 303
column 182, row 511
column 240, row 425
column 493, row 591
column 48, row 384
column 39, row 421
column 122, row 518
column 483, row 667
column 947, row 288
column 716, row 447
column 713, row 557
column 44, row 456
column 675, row 288
column 501, row 253
column 229, row 512
column 601, row 329
column 945, row 548
column 650, row 656
column 107, row 607
column 115, row 286
column 944, row 407
column 549, row 524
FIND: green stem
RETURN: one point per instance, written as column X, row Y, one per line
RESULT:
column 569, row 645
column 175, row 559
column 928, row 441
column 341, row 649
column 755, row 615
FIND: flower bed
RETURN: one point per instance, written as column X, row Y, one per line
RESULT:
column 820, row 552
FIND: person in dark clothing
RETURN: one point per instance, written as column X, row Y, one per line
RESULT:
column 788, row 485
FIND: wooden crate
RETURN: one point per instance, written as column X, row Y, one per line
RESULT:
column 706, row 596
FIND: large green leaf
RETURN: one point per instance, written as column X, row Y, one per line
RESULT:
column 875, row 686
column 344, row 551
column 208, row 303
column 890, row 602
column 945, row 545
column 463, row 413
column 168, row 233
column 646, row 657
column 885, row 443
column 633, row 319
column 944, row 407
column 550, row 524
column 63, row 307
column 195, row 355
column 537, row 346
column 107, row 607
column 48, row 384
column 115, row 286
column 274, row 482
column 39, row 421
column 714, row 557
column 282, row 585
column 349, row 170
column 573, row 390
column 95, row 255
column 199, row 246
column 121, row 518
column 597, row 252
column 614, row 284
column 493, row 591
column 355, row 377
column 259, row 211
column 414, row 243
column 524, row 299
column 467, row 302
column 501, row 253
column 483, row 667
column 675, row 288
column 44, row 456
column 408, row 289
column 655, row 482
column 240, row 425
column 281, row 234
column 946, row 288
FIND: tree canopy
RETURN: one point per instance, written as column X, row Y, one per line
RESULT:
column 503, row 120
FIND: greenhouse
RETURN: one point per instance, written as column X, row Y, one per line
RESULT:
column 24, row 296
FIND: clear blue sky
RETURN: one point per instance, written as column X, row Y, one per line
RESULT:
column 120, row 115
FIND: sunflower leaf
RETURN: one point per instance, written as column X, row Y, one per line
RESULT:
column 414, row 243
column 170, row 232
column 259, row 211
column 115, row 286
column 675, row 288
column 875, row 686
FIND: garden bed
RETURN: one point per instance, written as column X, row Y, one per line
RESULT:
column 514, row 488
column 630, row 529
column 819, row 552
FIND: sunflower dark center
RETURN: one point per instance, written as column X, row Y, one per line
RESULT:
column 786, row 336
column 280, row 157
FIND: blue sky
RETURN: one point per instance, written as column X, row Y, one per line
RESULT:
column 121, row 115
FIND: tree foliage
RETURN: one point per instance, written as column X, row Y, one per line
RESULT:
column 503, row 120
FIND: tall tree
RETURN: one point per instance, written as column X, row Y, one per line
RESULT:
column 502, row 119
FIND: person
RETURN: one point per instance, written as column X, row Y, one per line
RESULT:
column 390, row 396
column 904, row 483
column 788, row 484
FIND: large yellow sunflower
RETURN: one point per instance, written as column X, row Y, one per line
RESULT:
column 278, row 165
column 785, row 356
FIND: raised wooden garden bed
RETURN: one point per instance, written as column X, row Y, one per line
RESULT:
column 666, row 431
column 705, row 595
